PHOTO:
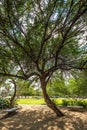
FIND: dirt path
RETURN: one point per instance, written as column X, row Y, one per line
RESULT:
column 42, row 118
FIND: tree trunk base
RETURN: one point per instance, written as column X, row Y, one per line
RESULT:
column 55, row 109
column 48, row 101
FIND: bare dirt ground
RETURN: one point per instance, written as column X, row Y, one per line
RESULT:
column 42, row 118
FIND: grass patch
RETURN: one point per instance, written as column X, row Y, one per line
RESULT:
column 58, row 101
column 31, row 101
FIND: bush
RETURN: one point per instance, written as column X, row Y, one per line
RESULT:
column 82, row 103
column 73, row 102
column 65, row 102
column 4, row 103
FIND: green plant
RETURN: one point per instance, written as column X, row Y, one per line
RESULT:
column 64, row 102
column 4, row 103
column 82, row 103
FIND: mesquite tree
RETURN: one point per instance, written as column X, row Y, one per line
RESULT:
column 39, row 37
column 6, row 85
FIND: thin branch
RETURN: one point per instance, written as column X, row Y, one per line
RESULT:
column 49, row 76
column 46, row 27
column 19, row 77
column 12, row 75
column 68, row 13
column 74, row 20
column 16, row 59
column 33, row 74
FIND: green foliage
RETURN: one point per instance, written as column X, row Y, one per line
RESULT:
column 64, row 102
column 57, row 86
column 38, row 38
column 27, row 88
column 77, row 84
column 81, row 81
column 57, row 101
column 82, row 103
column 33, row 35
column 74, row 102
column 4, row 103
column 31, row 101
column 72, row 87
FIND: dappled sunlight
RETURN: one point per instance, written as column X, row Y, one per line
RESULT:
column 42, row 118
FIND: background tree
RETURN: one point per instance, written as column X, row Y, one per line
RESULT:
column 80, row 84
column 57, row 85
column 72, row 87
column 38, row 38
column 8, row 89
column 26, row 88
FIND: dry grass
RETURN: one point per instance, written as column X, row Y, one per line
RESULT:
column 42, row 118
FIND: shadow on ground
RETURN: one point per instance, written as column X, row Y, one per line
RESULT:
column 42, row 118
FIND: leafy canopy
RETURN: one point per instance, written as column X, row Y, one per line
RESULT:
column 39, row 37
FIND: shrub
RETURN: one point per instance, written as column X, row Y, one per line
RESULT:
column 73, row 102
column 82, row 103
column 65, row 102
column 4, row 103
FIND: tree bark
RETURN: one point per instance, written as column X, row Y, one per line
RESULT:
column 48, row 101
column 13, row 96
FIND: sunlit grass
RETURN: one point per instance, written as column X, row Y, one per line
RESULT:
column 36, row 101
column 31, row 101
column 58, row 101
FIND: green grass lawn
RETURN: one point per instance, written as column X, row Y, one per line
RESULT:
column 58, row 101
column 31, row 101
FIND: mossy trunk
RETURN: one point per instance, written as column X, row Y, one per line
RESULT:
column 48, row 101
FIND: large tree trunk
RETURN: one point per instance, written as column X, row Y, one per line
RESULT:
column 47, row 99
column 13, row 96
